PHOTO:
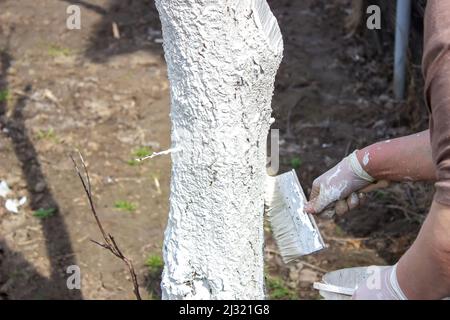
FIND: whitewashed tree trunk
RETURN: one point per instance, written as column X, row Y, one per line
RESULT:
column 222, row 57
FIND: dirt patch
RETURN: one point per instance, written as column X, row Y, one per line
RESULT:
column 112, row 106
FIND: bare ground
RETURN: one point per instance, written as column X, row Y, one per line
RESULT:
column 108, row 97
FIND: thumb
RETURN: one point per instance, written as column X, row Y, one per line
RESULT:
column 316, row 205
column 309, row 207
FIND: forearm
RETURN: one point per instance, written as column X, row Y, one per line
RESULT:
column 407, row 158
column 424, row 270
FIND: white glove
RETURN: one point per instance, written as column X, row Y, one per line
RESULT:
column 338, row 183
column 381, row 284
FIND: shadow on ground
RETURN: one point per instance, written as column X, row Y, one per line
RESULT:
column 138, row 26
column 57, row 239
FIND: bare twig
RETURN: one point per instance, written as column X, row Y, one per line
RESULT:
column 409, row 214
column 110, row 244
column 155, row 154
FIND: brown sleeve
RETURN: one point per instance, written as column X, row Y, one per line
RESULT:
column 436, row 70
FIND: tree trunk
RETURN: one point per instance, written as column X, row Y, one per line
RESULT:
column 222, row 58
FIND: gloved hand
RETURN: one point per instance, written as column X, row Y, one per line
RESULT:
column 339, row 183
column 381, row 284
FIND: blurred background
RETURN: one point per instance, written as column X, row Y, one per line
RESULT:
column 103, row 90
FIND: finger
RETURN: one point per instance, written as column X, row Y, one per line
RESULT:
column 341, row 207
column 309, row 207
column 319, row 204
column 327, row 213
column 353, row 201
column 314, row 206
column 362, row 198
column 314, row 191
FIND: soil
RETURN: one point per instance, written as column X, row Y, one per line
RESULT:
column 108, row 97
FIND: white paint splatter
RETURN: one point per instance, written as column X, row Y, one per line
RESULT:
column 338, row 169
column 366, row 159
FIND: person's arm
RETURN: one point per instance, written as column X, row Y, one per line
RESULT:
column 423, row 272
column 403, row 159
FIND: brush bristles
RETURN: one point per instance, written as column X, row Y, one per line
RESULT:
column 294, row 231
column 269, row 25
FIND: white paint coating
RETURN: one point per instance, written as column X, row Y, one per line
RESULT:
column 4, row 189
column 354, row 200
column 222, row 57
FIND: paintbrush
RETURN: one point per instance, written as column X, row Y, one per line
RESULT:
column 295, row 232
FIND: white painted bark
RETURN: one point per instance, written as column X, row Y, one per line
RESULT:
column 222, row 57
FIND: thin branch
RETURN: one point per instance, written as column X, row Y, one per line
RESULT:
column 110, row 244
column 156, row 154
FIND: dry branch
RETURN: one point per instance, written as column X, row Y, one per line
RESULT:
column 110, row 243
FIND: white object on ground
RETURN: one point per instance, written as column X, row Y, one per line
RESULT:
column 13, row 205
column 4, row 189
column 222, row 58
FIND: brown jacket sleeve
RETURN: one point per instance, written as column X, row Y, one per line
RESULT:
column 436, row 70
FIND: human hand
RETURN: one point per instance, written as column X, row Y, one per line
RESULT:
column 344, row 184
column 381, row 284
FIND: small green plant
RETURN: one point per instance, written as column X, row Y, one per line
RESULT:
column 154, row 263
column 339, row 232
column 138, row 153
column 142, row 152
column 4, row 95
column 56, row 51
column 48, row 134
column 133, row 162
column 296, row 162
column 44, row 213
column 379, row 194
column 278, row 290
column 125, row 206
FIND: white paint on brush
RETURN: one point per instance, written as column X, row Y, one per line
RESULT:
column 222, row 58
column 295, row 232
